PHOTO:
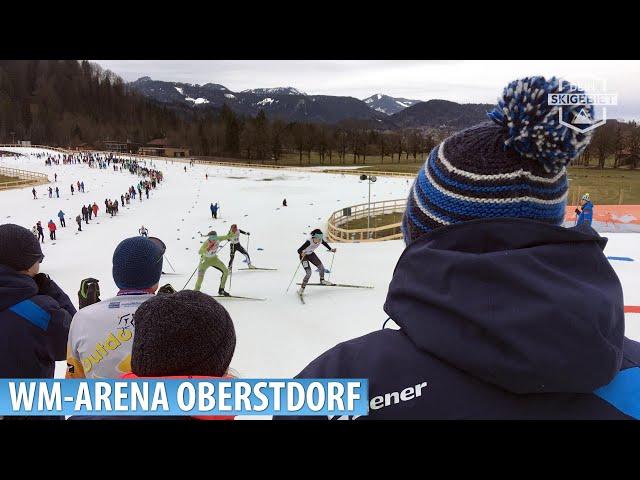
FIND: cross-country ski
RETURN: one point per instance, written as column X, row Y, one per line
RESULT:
column 328, row 284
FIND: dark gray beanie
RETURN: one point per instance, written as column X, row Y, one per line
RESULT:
column 19, row 248
column 184, row 333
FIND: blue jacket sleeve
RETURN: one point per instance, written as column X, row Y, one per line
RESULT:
column 54, row 291
column 59, row 306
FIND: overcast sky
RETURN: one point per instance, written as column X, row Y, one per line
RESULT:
column 473, row 81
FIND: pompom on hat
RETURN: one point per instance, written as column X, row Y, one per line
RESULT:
column 514, row 166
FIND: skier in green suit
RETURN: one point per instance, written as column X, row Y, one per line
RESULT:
column 209, row 258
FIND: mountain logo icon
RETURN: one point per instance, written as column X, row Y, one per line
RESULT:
column 582, row 118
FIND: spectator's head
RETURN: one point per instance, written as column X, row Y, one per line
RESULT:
column 585, row 198
column 137, row 263
column 20, row 249
column 514, row 166
column 184, row 333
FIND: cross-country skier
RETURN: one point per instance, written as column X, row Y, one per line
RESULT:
column 585, row 212
column 50, row 192
column 284, row 202
column 214, row 210
column 94, row 208
column 79, row 222
column 143, row 231
column 57, row 193
column 209, row 258
column 234, row 245
column 306, row 252
column 72, row 189
column 34, row 193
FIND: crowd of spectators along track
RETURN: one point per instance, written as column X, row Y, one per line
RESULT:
column 150, row 179
column 501, row 312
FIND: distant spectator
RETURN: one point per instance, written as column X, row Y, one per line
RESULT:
column 35, row 313
column 40, row 231
column 585, row 212
column 502, row 313
column 101, row 334
column 52, row 229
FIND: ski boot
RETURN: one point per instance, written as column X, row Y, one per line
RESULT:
column 251, row 267
column 300, row 291
column 326, row 282
column 223, row 293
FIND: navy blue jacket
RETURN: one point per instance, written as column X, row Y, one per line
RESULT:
column 33, row 326
column 499, row 319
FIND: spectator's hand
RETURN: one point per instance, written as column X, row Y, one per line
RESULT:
column 166, row 289
column 43, row 281
column 577, row 211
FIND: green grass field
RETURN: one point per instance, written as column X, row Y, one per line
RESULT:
column 4, row 179
column 376, row 221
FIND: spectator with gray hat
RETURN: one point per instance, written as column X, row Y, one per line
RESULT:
column 181, row 335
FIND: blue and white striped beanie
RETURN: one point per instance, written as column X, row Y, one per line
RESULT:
column 514, row 166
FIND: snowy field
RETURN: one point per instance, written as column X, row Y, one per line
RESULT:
column 276, row 337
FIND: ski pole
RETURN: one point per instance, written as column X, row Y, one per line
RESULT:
column 174, row 270
column 194, row 272
column 294, row 276
column 331, row 267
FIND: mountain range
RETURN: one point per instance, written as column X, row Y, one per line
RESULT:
column 388, row 105
column 289, row 104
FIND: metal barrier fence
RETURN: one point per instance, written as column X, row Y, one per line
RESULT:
column 339, row 219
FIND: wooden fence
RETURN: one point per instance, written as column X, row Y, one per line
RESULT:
column 25, row 178
column 339, row 219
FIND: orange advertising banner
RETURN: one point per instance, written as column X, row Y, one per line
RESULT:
column 609, row 218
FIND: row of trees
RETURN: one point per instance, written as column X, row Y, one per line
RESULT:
column 619, row 141
column 262, row 139
column 66, row 102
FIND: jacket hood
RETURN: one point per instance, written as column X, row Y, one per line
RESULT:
column 15, row 287
column 523, row 305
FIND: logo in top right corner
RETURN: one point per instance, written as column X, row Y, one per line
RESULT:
column 586, row 92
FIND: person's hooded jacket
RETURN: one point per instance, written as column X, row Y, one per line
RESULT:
column 34, row 324
column 499, row 319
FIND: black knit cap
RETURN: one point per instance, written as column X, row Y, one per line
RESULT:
column 184, row 333
column 19, row 248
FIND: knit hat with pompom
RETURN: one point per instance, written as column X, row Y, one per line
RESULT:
column 514, row 166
